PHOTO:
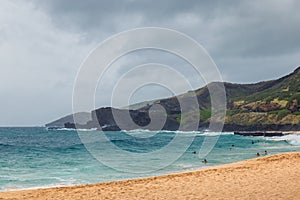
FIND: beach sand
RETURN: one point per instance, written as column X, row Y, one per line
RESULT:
column 270, row 177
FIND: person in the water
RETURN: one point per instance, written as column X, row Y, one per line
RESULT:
column 257, row 154
column 204, row 161
column 266, row 152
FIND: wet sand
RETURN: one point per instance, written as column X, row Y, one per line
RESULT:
column 269, row 177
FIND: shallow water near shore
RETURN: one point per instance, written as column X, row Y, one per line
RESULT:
column 39, row 158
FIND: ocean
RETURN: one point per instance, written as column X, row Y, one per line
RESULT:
column 35, row 157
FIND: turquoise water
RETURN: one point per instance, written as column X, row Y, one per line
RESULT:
column 38, row 158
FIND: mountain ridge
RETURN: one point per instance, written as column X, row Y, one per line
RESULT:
column 266, row 105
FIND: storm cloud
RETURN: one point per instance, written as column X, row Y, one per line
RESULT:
column 43, row 43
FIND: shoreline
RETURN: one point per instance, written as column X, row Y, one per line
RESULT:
column 268, row 131
column 260, row 177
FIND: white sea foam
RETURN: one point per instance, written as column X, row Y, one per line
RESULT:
column 216, row 133
column 159, row 131
column 137, row 131
column 291, row 139
column 16, row 188
column 141, row 133
column 71, row 129
column 64, row 129
column 184, row 165
column 92, row 129
column 184, row 133
column 81, row 169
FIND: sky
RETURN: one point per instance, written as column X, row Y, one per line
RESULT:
column 44, row 42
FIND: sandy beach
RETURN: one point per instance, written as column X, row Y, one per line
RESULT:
column 270, row 177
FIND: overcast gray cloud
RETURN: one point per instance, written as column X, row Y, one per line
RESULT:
column 230, row 30
column 42, row 44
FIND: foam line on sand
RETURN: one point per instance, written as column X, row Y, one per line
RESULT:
column 270, row 177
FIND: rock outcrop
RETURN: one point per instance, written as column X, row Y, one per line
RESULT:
column 269, row 105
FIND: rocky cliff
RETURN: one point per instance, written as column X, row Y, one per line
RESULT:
column 268, row 105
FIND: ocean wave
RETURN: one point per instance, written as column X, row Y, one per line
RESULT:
column 158, row 131
column 185, row 133
column 43, row 146
column 53, row 185
column 291, row 139
column 72, row 129
column 6, row 145
column 216, row 133
column 141, row 133
column 138, row 131
column 184, row 165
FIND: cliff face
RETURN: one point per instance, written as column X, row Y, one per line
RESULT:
column 269, row 105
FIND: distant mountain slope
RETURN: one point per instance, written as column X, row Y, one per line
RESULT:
column 271, row 105
column 283, row 93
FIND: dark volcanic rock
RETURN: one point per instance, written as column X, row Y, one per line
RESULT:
column 261, row 127
column 82, row 117
column 255, row 98
column 259, row 133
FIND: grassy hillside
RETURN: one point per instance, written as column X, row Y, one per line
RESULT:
column 269, row 102
column 265, row 105
column 277, row 104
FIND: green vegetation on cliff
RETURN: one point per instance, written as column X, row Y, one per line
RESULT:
column 265, row 105
column 270, row 102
